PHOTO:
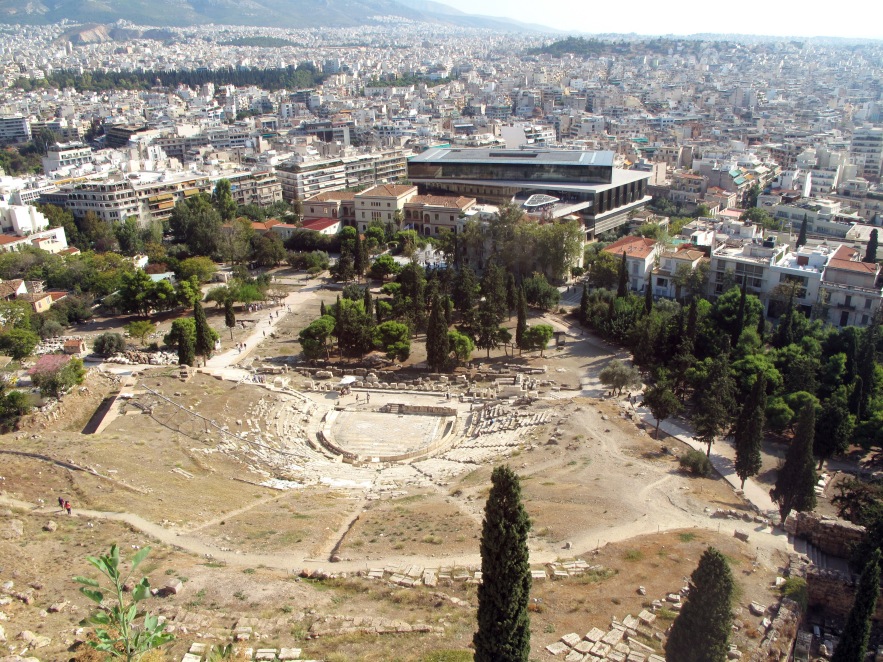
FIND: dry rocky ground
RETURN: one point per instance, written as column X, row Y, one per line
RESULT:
column 196, row 479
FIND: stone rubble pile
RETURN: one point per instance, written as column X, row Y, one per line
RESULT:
column 133, row 357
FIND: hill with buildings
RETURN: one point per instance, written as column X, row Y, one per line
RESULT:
column 267, row 13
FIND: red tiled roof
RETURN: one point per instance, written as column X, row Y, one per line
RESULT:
column 318, row 224
column 637, row 247
column 332, row 196
column 460, row 202
column 387, row 189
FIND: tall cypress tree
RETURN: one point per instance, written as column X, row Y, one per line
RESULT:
column 437, row 346
column 853, row 644
column 584, row 305
column 503, row 621
column 359, row 256
column 622, row 287
column 511, row 294
column 748, row 437
column 795, row 485
column 368, row 304
column 834, row 426
column 521, row 324
column 648, row 297
column 801, row 238
column 740, row 318
column 322, row 311
column 493, row 289
column 866, row 362
column 871, row 252
column 701, row 631
column 204, row 342
column 229, row 316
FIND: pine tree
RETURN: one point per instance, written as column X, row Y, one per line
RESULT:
column 229, row 316
column 437, row 345
column 853, row 644
column 748, row 437
column 717, row 400
column 795, row 485
column 204, row 342
column 662, row 403
column 622, row 288
column 701, row 631
column 871, row 252
column 521, row 324
column 801, row 238
column 503, row 621
column 834, row 426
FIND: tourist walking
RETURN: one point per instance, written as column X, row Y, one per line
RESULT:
column 61, row 502
column 67, row 507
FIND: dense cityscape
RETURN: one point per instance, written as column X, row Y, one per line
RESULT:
column 422, row 340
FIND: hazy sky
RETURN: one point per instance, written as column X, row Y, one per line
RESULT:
column 862, row 18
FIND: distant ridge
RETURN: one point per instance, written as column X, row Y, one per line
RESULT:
column 258, row 13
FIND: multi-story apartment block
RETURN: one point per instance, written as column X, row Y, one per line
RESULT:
column 866, row 151
column 851, row 290
column 14, row 129
column 23, row 226
column 152, row 195
column 66, row 155
column 309, row 177
column 259, row 187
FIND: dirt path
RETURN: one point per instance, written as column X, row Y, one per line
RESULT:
column 282, row 561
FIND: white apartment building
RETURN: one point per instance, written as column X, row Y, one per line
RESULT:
column 851, row 290
column 66, row 155
column 23, row 226
column 305, row 177
column 866, row 151
column 14, row 129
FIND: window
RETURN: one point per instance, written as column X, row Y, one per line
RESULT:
column 661, row 282
column 868, row 303
column 848, row 301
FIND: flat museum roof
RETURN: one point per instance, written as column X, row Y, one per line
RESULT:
column 516, row 156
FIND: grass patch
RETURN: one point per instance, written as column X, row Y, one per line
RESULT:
column 687, row 537
column 448, row 656
column 794, row 588
column 666, row 614
column 633, row 555
column 249, row 571
column 595, row 576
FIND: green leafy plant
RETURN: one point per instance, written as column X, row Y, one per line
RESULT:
column 117, row 628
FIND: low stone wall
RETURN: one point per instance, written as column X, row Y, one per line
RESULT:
column 834, row 537
column 426, row 410
column 779, row 638
column 834, row 592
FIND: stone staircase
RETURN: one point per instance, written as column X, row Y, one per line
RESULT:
column 817, row 557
